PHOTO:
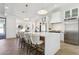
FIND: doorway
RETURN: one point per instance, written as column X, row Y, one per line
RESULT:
column 2, row 28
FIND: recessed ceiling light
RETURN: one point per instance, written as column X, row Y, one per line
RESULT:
column 42, row 12
column 26, row 19
column 6, row 7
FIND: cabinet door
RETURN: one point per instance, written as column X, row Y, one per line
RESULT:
column 67, row 14
column 55, row 17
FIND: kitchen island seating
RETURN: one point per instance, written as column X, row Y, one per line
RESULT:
column 32, row 43
column 21, row 39
column 37, row 43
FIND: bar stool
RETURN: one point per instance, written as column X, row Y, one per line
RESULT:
column 21, row 40
column 36, row 43
column 27, row 37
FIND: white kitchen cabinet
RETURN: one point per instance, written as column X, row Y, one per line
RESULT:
column 52, row 43
column 55, row 17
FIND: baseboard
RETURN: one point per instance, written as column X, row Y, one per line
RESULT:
column 61, row 41
column 11, row 38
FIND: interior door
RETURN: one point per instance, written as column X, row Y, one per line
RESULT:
column 2, row 28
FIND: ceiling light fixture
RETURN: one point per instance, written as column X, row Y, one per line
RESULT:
column 42, row 12
column 26, row 19
column 26, row 5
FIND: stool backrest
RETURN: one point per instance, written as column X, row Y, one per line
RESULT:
column 27, row 37
column 35, row 39
column 21, row 34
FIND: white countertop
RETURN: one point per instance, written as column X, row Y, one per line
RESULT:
column 40, row 33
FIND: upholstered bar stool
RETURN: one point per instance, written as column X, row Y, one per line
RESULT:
column 27, row 37
column 36, row 42
column 21, row 40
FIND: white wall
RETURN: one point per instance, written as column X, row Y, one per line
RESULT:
column 10, row 21
column 24, row 23
column 56, row 17
column 1, row 15
column 58, row 27
column 10, row 27
column 2, row 10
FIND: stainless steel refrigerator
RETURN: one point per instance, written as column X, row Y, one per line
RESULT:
column 71, row 34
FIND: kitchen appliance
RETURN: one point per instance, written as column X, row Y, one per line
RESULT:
column 71, row 34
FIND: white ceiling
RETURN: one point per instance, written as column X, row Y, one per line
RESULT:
column 17, row 9
column 31, row 10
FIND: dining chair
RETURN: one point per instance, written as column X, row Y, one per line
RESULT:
column 36, row 42
column 27, row 37
column 21, row 40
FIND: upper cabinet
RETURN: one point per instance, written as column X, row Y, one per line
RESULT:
column 55, row 17
column 67, row 14
column 71, row 14
column 74, row 12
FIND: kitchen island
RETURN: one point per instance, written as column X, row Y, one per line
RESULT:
column 52, row 41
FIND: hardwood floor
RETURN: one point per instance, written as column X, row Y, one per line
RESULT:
column 10, row 47
column 68, row 49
